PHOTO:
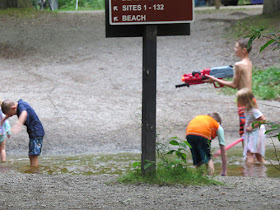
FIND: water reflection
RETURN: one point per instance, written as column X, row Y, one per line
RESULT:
column 254, row 170
column 238, row 167
column 92, row 164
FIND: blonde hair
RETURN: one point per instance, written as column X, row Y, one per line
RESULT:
column 7, row 105
column 245, row 98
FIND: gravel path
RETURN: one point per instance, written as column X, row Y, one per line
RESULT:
column 21, row 191
column 87, row 91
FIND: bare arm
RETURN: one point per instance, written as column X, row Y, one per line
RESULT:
column 224, row 160
column 21, row 120
column 221, row 136
column 232, row 84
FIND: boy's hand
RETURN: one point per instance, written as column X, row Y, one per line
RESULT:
column 210, row 79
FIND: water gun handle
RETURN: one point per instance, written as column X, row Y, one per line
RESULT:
column 182, row 85
column 217, row 85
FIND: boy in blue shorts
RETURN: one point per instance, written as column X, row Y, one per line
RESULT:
column 28, row 117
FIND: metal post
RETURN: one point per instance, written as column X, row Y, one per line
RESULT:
column 149, row 99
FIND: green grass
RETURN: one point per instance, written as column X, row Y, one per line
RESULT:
column 244, row 2
column 171, row 169
column 266, row 84
column 83, row 5
column 184, row 176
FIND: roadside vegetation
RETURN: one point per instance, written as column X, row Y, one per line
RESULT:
column 172, row 168
column 82, row 4
column 266, row 84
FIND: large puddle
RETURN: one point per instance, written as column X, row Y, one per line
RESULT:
column 90, row 164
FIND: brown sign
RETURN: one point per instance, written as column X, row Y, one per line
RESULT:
column 150, row 11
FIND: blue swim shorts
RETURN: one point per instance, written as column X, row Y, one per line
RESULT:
column 35, row 146
column 201, row 149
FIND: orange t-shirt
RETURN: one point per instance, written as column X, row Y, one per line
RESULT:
column 203, row 125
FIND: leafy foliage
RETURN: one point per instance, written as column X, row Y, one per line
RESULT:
column 172, row 167
column 272, row 128
column 273, row 38
column 90, row 4
column 266, row 83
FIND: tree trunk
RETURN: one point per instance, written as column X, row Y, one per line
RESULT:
column 3, row 4
column 11, row 3
column 217, row 4
column 270, row 6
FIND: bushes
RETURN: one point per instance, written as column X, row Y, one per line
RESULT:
column 266, row 83
column 88, row 4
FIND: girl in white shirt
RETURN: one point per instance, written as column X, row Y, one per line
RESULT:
column 254, row 145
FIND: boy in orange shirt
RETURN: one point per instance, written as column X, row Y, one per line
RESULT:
column 199, row 133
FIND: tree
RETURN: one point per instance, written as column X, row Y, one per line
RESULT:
column 4, row 4
column 270, row 6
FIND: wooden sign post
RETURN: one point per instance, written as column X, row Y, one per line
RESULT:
column 149, row 99
column 148, row 19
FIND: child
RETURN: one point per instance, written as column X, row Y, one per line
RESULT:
column 28, row 117
column 242, row 77
column 199, row 133
column 4, row 131
column 254, row 136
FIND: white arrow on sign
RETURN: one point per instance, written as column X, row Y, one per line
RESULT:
column 115, row 18
column 115, row 8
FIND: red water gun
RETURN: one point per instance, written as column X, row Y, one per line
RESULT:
column 198, row 77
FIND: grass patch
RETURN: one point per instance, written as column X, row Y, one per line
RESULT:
column 171, row 169
column 244, row 2
column 266, row 84
column 70, row 5
column 170, row 176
